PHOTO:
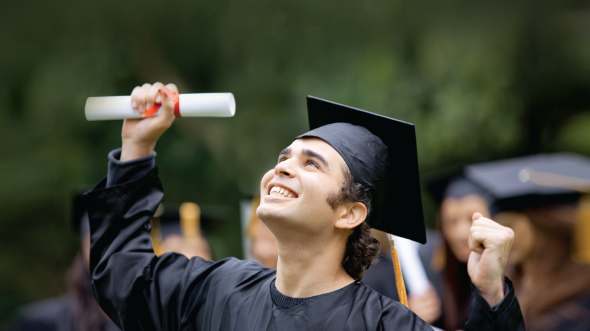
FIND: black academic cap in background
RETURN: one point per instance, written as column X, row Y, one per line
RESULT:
column 168, row 218
column 381, row 154
column 533, row 181
column 436, row 184
column 455, row 185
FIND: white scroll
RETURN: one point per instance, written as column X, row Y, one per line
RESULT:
column 190, row 105
column 412, row 268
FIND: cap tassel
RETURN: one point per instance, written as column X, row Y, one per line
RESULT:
column 399, row 279
column 156, row 235
column 582, row 232
column 190, row 221
column 156, row 232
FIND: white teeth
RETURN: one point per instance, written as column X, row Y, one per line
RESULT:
column 281, row 192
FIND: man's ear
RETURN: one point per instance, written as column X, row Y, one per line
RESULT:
column 350, row 215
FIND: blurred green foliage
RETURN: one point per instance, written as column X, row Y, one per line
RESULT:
column 481, row 80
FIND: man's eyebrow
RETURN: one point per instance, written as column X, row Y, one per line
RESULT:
column 285, row 151
column 310, row 153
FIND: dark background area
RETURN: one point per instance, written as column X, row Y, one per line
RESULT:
column 481, row 81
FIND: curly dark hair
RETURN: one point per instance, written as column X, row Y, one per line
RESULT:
column 362, row 249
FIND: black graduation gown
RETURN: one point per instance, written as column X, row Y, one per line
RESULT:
column 381, row 277
column 140, row 291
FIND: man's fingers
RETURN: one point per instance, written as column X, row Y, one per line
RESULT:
column 476, row 216
column 134, row 94
column 166, row 116
column 486, row 222
column 151, row 95
column 476, row 241
column 172, row 88
column 486, row 233
column 141, row 97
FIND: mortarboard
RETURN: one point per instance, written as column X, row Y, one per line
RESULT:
column 454, row 185
column 533, row 181
column 183, row 221
column 381, row 154
column 540, row 181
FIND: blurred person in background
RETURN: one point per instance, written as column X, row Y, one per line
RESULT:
column 77, row 310
column 539, row 198
column 178, row 229
column 447, row 303
column 263, row 243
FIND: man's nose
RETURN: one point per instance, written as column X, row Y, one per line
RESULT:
column 285, row 168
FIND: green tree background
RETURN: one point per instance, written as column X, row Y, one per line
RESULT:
column 481, row 81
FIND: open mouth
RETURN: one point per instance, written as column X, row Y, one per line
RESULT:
column 278, row 191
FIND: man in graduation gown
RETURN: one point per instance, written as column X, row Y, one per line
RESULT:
column 326, row 190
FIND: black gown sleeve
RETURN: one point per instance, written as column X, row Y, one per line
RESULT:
column 138, row 290
column 506, row 316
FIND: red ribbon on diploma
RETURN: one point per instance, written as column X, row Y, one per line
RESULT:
column 154, row 109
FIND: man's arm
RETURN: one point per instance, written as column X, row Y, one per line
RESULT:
column 134, row 287
column 505, row 315
column 494, row 305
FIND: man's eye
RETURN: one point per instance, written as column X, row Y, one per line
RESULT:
column 281, row 159
column 313, row 163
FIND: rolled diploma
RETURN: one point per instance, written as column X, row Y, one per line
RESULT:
column 189, row 105
column 412, row 267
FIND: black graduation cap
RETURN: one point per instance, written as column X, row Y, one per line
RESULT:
column 455, row 185
column 169, row 219
column 381, row 154
column 533, row 181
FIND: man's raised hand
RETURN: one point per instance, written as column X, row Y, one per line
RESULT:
column 490, row 243
column 139, row 136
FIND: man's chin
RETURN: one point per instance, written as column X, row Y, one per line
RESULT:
column 268, row 215
column 271, row 215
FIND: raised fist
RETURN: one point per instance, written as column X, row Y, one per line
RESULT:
column 139, row 136
column 490, row 244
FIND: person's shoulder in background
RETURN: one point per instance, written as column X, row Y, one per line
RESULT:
column 45, row 315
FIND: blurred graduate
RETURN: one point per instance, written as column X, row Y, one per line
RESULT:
column 263, row 244
column 544, row 199
column 447, row 303
column 354, row 170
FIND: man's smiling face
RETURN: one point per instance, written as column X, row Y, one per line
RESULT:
column 295, row 194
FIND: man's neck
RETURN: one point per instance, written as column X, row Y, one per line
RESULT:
column 308, row 270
